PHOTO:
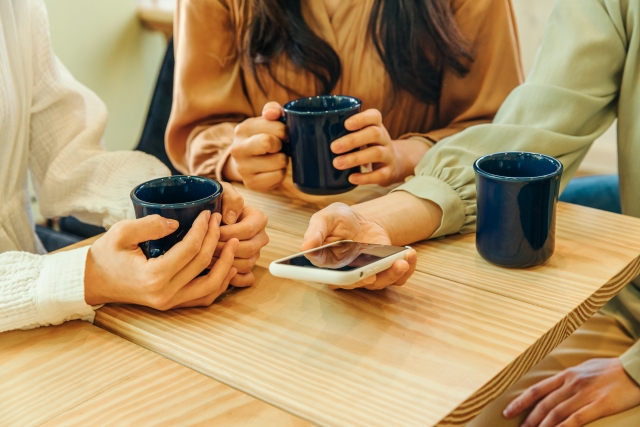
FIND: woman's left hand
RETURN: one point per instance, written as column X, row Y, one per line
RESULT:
column 247, row 224
column 576, row 396
column 392, row 161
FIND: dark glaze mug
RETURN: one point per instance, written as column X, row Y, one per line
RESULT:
column 312, row 125
column 517, row 197
column 176, row 197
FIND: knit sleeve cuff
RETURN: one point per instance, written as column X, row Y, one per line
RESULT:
column 60, row 288
column 431, row 188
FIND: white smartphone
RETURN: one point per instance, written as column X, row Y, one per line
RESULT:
column 339, row 263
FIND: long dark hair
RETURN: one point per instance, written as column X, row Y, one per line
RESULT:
column 416, row 40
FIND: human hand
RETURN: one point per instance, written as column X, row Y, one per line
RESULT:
column 246, row 224
column 335, row 256
column 392, row 161
column 250, row 230
column 340, row 222
column 117, row 271
column 576, row 396
column 255, row 152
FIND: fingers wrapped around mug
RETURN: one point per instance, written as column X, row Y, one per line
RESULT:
column 396, row 275
column 250, row 231
column 373, row 146
column 232, row 203
column 117, row 269
column 256, row 152
column 272, row 111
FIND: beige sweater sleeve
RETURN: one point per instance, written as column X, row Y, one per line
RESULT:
column 208, row 99
column 568, row 100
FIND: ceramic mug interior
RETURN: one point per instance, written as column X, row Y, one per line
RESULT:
column 178, row 190
column 322, row 104
column 518, row 166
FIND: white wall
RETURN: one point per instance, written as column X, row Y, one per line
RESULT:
column 104, row 46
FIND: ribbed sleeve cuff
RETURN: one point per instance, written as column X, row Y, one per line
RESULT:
column 430, row 188
column 630, row 360
column 60, row 288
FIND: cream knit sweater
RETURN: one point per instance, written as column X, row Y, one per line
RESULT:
column 51, row 127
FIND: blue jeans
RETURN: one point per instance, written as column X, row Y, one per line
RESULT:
column 600, row 192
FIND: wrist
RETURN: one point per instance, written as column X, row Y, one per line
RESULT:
column 230, row 170
column 92, row 294
column 404, row 218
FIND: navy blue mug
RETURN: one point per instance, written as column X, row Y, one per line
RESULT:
column 517, row 197
column 313, row 124
column 177, row 197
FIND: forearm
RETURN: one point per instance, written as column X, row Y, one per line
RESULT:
column 406, row 218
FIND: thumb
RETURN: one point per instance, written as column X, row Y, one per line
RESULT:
column 320, row 227
column 232, row 204
column 152, row 227
column 272, row 111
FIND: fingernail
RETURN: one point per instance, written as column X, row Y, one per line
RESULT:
column 231, row 217
column 217, row 218
column 337, row 163
column 336, row 147
column 172, row 224
column 507, row 412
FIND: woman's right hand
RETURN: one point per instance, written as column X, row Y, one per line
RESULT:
column 341, row 222
column 255, row 153
column 117, row 270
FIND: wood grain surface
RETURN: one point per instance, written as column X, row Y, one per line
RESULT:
column 77, row 374
column 405, row 356
column 434, row 352
column 597, row 254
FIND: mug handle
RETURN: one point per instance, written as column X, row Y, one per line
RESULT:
column 286, row 147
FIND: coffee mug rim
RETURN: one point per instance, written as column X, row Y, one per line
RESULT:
column 287, row 106
column 184, row 205
column 556, row 162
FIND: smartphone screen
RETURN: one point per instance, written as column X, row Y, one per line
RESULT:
column 344, row 256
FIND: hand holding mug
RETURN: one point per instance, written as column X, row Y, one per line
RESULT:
column 392, row 161
column 341, row 222
column 118, row 271
column 256, row 159
column 246, row 224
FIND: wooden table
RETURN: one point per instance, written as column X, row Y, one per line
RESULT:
column 157, row 15
column 434, row 352
column 77, row 374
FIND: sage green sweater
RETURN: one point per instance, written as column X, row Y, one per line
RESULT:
column 586, row 74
